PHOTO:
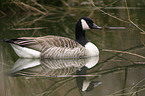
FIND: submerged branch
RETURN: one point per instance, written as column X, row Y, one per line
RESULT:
column 132, row 90
column 132, row 93
column 137, row 84
column 124, row 52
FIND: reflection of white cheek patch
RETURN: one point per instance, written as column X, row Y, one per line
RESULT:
column 84, row 25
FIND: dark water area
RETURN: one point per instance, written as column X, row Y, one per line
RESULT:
column 118, row 70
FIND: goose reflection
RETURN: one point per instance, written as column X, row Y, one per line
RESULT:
column 83, row 84
column 51, row 67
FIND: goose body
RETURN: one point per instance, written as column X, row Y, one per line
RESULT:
column 55, row 46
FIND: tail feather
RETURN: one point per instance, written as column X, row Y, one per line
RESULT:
column 12, row 41
column 19, row 45
column 7, row 40
column 15, row 41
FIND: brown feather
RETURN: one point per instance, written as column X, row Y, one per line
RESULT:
column 53, row 46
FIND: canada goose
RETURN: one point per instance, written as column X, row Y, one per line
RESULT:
column 55, row 46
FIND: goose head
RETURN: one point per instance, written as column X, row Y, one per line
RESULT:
column 83, row 24
column 88, row 23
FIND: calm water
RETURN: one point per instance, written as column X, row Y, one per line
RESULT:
column 112, row 73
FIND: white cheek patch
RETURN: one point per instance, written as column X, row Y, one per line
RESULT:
column 84, row 24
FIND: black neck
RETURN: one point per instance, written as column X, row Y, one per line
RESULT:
column 80, row 34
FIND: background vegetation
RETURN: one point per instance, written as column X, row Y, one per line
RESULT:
column 44, row 6
column 48, row 7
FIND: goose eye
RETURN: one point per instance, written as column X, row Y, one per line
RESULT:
column 88, row 21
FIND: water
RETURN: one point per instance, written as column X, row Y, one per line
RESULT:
column 112, row 72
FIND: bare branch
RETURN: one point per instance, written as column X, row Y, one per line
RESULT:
column 31, row 7
column 124, row 52
column 130, row 18
column 92, row 2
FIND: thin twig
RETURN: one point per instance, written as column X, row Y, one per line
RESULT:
column 126, row 94
column 111, row 3
column 92, row 2
column 65, row 3
column 130, row 18
column 29, row 28
column 137, row 84
column 124, row 52
column 3, row 13
column 39, row 5
column 31, row 7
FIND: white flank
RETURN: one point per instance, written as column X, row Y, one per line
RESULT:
column 25, row 52
column 84, row 25
column 92, row 49
column 86, row 84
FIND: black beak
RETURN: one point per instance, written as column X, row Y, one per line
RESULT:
column 96, row 26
